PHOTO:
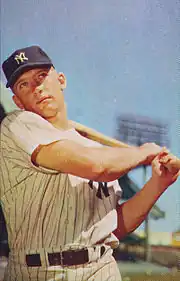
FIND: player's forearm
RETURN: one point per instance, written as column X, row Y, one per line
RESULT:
column 133, row 212
column 178, row 163
column 115, row 162
column 99, row 164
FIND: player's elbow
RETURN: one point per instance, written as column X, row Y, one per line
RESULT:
column 101, row 172
column 97, row 171
column 95, row 164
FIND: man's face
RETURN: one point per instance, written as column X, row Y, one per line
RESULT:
column 40, row 90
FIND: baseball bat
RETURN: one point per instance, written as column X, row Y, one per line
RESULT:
column 96, row 136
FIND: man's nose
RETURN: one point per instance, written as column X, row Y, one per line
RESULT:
column 38, row 88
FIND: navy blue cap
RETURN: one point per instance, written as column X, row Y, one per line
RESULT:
column 22, row 60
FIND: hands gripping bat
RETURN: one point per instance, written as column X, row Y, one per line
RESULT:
column 170, row 161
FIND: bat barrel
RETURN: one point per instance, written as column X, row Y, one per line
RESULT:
column 98, row 137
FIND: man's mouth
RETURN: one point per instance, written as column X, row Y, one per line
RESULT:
column 43, row 99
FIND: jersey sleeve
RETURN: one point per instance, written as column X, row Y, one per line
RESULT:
column 24, row 131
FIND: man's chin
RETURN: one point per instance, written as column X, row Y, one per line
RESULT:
column 49, row 114
column 48, row 111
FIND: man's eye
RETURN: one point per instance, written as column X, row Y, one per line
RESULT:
column 23, row 84
column 42, row 75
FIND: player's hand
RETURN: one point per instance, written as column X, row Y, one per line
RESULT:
column 150, row 150
column 170, row 161
column 162, row 174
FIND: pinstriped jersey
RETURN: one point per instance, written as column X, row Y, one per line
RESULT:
column 47, row 209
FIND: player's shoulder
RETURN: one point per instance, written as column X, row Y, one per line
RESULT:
column 9, row 118
column 21, row 117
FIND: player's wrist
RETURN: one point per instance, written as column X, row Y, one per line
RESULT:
column 158, row 183
column 145, row 157
column 163, row 182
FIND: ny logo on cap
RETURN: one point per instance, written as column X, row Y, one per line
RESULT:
column 20, row 58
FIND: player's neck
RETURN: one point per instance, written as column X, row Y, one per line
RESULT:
column 60, row 121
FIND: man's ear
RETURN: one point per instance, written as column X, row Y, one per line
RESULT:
column 17, row 102
column 62, row 80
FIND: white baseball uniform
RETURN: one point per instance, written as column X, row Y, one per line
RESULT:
column 47, row 211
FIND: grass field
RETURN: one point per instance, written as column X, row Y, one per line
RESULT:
column 153, row 277
column 143, row 271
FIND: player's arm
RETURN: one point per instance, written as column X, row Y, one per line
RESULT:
column 57, row 152
column 133, row 212
column 100, row 164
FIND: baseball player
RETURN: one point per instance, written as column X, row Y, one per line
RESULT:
column 59, row 190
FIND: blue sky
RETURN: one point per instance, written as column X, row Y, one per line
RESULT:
column 118, row 56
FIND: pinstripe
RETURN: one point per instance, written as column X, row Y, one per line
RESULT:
column 91, row 215
column 25, row 270
column 30, row 211
column 83, row 213
column 24, row 193
column 82, row 278
column 11, row 272
column 76, row 276
column 20, row 274
column 29, row 274
column 61, row 208
column 76, row 225
column 65, row 208
column 80, row 205
column 102, row 208
column 110, row 201
column 96, row 207
column 46, row 224
column 22, row 234
column 75, row 213
column 20, row 171
column 76, row 202
column 37, row 215
column 15, row 271
column 49, row 243
column 83, row 208
column 2, row 183
column 37, row 278
column 15, row 229
column 90, row 220
column 45, row 276
column 8, row 178
column 67, row 222
column 54, row 271
column 50, row 226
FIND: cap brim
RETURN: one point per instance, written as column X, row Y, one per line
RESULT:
column 23, row 68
